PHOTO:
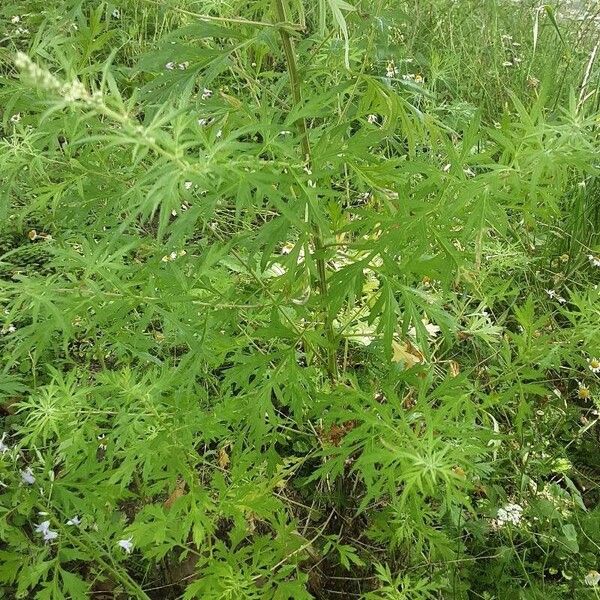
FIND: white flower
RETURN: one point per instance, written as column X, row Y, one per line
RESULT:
column 202, row 122
column 27, row 476
column 74, row 521
column 3, row 447
column 187, row 185
column 127, row 545
column 170, row 66
column 15, row 118
column 15, row 19
column 373, row 119
column 594, row 365
column 583, row 391
column 592, row 578
column 511, row 513
column 183, row 66
column 594, row 260
column 391, row 70
column 206, row 94
column 116, row 14
column 44, row 529
column 552, row 295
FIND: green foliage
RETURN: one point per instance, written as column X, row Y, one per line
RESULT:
column 299, row 300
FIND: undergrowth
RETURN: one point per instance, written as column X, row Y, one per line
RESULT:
column 299, row 299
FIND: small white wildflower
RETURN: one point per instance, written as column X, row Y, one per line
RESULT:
column 594, row 365
column 373, row 119
column 187, row 185
column 551, row 293
column 44, row 529
column 27, row 476
column 592, row 578
column 391, row 70
column 74, row 521
column 202, row 122
column 583, row 391
column 116, row 14
column 206, row 94
column 10, row 329
column 219, row 133
column 3, row 447
column 15, row 118
column 312, row 184
column 183, row 66
column 15, row 19
column 173, row 213
column 594, row 260
column 510, row 513
column 173, row 255
column 170, row 66
column 127, row 545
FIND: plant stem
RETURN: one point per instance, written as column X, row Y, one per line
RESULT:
column 295, row 85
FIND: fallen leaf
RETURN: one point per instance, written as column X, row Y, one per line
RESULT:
column 175, row 494
column 223, row 458
column 406, row 353
column 454, row 369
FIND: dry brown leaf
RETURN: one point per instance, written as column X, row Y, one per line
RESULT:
column 175, row 494
column 223, row 458
column 454, row 369
column 406, row 353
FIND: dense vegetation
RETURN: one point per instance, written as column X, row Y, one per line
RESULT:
column 299, row 299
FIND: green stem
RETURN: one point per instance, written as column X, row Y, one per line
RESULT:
column 295, row 85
